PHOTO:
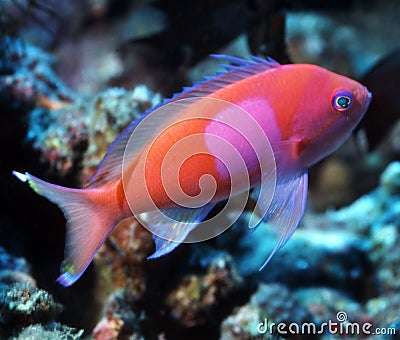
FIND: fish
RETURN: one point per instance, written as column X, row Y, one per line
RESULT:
column 271, row 122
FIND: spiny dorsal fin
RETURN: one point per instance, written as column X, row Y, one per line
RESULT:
column 110, row 167
column 241, row 69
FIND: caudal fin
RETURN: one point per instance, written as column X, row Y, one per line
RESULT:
column 88, row 224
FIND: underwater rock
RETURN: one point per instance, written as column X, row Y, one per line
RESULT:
column 390, row 179
column 324, row 304
column 123, row 318
column 120, row 261
column 384, row 245
column 78, row 135
column 196, row 297
column 108, row 328
column 352, row 255
column 271, row 303
column 269, row 297
column 315, row 255
column 22, row 305
column 27, row 79
column 13, row 269
column 49, row 332
column 121, row 281
column 385, row 253
column 374, row 217
column 385, row 310
column 354, row 248
column 242, row 324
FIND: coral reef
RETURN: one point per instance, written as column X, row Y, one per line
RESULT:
column 242, row 324
column 351, row 255
column 265, row 307
column 13, row 269
column 120, row 262
column 337, row 261
column 316, row 254
column 22, row 305
column 49, row 332
column 28, row 313
column 27, row 79
column 274, row 304
column 71, row 132
column 195, row 297
column 325, row 303
column 77, row 135
column 268, row 299
column 123, row 319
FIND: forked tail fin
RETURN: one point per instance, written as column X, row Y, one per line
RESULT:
column 88, row 224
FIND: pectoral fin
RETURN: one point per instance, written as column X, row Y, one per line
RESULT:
column 287, row 208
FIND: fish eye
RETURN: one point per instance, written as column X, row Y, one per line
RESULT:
column 342, row 100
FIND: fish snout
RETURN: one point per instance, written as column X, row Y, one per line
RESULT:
column 369, row 97
column 363, row 96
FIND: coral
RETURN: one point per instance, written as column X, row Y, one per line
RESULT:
column 272, row 303
column 22, row 305
column 342, row 249
column 384, row 309
column 355, row 249
column 8, row 261
column 269, row 297
column 242, row 324
column 325, row 303
column 120, row 267
column 123, row 318
column 349, row 257
column 49, row 332
column 27, row 79
column 314, row 255
column 390, row 179
column 27, row 312
column 375, row 218
column 78, row 135
column 195, row 297
column 13, row 269
column 120, row 261
column 108, row 328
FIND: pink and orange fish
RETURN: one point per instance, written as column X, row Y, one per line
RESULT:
column 305, row 112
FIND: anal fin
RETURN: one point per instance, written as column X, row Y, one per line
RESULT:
column 169, row 233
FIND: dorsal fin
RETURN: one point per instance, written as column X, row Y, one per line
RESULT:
column 241, row 69
column 110, row 167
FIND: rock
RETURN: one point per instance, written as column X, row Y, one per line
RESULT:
column 22, row 305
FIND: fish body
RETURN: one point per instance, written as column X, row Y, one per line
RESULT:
column 258, row 125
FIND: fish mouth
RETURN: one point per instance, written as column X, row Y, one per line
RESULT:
column 363, row 96
column 369, row 97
